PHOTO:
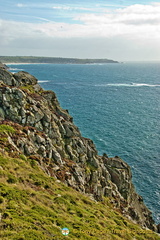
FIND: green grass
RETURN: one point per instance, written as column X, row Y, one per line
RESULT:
column 36, row 206
column 6, row 129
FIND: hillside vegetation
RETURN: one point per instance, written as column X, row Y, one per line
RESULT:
column 54, row 60
column 36, row 206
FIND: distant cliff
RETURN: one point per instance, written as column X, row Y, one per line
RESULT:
column 53, row 60
column 45, row 133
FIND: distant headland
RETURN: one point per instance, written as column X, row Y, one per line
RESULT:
column 53, row 60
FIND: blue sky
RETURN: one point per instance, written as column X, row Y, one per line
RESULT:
column 117, row 29
column 34, row 11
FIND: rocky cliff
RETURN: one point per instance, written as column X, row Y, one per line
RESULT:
column 3, row 66
column 46, row 133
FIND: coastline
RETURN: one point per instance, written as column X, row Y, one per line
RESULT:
column 19, row 63
column 53, row 60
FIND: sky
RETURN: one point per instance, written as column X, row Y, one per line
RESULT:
column 123, row 30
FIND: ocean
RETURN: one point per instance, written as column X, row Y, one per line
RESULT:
column 118, row 107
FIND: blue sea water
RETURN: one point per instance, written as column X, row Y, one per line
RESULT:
column 118, row 107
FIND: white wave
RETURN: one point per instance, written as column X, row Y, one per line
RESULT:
column 43, row 81
column 128, row 85
column 119, row 85
column 13, row 68
column 16, row 69
column 145, row 85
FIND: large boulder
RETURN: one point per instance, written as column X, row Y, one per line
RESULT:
column 24, row 78
column 7, row 78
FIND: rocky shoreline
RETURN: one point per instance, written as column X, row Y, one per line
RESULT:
column 46, row 133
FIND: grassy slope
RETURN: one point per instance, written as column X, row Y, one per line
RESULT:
column 36, row 206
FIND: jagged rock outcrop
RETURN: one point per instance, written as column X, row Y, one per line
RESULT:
column 46, row 133
column 3, row 66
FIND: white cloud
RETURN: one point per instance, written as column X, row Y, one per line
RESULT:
column 137, row 13
column 62, row 8
column 12, row 30
column 20, row 5
column 142, row 20
column 135, row 29
column 43, row 19
column 136, row 21
column 140, row 14
column 69, row 8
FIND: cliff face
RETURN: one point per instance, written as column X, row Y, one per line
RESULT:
column 46, row 133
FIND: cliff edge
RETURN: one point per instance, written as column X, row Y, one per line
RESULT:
column 46, row 133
